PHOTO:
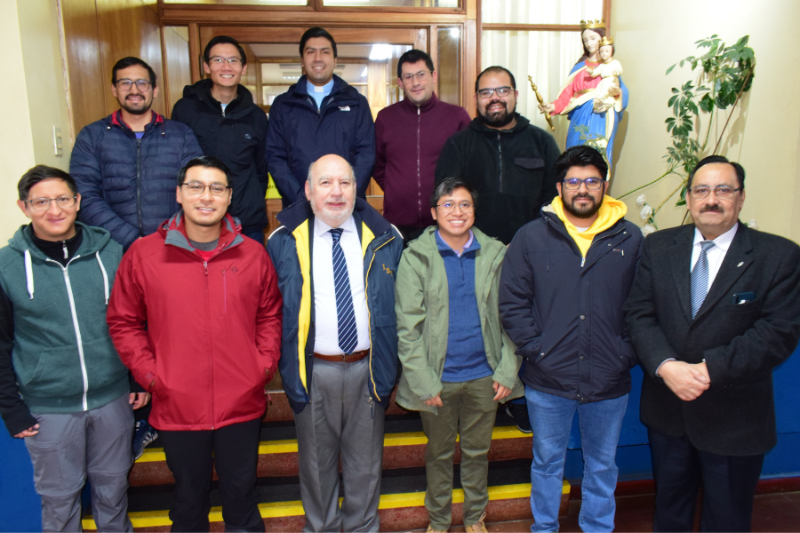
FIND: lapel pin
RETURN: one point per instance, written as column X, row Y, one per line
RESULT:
column 740, row 264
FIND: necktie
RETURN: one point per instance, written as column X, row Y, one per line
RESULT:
column 345, row 313
column 700, row 277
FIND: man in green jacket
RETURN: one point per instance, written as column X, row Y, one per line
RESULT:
column 63, row 387
column 454, row 379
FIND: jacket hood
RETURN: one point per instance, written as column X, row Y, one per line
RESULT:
column 174, row 232
column 478, row 125
column 202, row 91
column 94, row 239
column 300, row 211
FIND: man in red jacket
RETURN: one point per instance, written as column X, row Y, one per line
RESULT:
column 408, row 138
column 195, row 314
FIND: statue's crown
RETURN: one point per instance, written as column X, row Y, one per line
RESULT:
column 592, row 24
column 606, row 41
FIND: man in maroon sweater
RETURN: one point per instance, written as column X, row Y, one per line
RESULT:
column 409, row 136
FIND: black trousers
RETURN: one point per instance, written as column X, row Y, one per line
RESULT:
column 235, row 452
column 729, row 484
column 410, row 233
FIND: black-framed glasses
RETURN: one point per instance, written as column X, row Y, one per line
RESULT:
column 195, row 188
column 501, row 91
column 43, row 204
column 593, row 184
column 219, row 60
column 723, row 191
column 420, row 76
column 126, row 84
column 449, row 207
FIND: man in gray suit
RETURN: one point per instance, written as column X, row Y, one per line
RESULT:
column 714, row 308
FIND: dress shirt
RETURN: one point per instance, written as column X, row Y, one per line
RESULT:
column 715, row 254
column 326, row 327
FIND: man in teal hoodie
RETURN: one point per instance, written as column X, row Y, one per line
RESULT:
column 63, row 387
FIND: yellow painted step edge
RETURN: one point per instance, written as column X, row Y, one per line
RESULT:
column 286, row 509
column 391, row 439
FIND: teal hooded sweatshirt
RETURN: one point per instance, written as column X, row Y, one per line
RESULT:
column 63, row 356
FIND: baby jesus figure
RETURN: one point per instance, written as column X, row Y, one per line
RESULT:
column 610, row 70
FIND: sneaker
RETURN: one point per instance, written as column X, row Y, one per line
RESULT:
column 478, row 527
column 143, row 435
column 432, row 530
column 519, row 412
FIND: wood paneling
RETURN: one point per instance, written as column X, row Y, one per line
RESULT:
column 87, row 85
column 289, row 34
column 172, row 14
column 178, row 67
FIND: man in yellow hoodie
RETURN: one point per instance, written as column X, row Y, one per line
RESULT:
column 565, row 278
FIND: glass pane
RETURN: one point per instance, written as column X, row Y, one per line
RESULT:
column 392, row 3
column 546, row 56
column 178, row 67
column 242, row 2
column 449, row 51
column 540, row 11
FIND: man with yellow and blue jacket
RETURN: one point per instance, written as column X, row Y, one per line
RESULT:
column 336, row 259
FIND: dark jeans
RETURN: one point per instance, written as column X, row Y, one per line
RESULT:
column 234, row 451
column 256, row 235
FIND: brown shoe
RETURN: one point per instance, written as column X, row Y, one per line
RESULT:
column 479, row 526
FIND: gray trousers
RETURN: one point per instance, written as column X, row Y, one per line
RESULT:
column 68, row 448
column 341, row 419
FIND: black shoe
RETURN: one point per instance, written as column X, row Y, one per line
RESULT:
column 519, row 412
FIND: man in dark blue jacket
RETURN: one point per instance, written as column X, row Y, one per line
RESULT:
column 320, row 114
column 336, row 259
column 232, row 128
column 565, row 278
column 125, row 164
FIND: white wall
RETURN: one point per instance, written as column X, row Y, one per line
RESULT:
column 652, row 35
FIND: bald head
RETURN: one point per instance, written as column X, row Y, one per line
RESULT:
column 331, row 189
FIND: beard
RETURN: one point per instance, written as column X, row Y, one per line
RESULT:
column 497, row 119
column 140, row 109
column 582, row 212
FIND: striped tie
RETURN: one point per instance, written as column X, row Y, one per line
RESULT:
column 345, row 313
column 700, row 277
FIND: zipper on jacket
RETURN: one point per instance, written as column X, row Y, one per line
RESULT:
column 419, row 163
column 224, row 293
column 369, row 313
column 139, row 185
column 74, row 311
column 500, row 160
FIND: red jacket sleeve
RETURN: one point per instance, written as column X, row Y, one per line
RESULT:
column 269, row 319
column 127, row 320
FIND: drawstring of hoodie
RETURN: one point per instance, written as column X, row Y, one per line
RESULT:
column 29, row 273
column 105, row 276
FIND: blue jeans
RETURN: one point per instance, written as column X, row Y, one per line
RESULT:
column 600, row 425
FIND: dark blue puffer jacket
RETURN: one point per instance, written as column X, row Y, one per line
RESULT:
column 127, row 185
column 299, row 134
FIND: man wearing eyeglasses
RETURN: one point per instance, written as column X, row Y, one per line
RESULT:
column 508, row 160
column 195, row 315
column 565, row 279
column 714, row 308
column 409, row 136
column 125, row 164
column 63, row 387
column 457, row 362
column 231, row 127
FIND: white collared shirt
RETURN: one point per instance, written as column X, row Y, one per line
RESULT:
column 715, row 254
column 326, row 334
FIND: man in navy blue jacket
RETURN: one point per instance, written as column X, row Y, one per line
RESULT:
column 320, row 114
column 125, row 164
column 565, row 278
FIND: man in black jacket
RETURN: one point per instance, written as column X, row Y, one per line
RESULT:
column 715, row 307
column 230, row 127
column 565, row 278
column 508, row 160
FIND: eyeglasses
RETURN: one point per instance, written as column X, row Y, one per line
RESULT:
column 501, row 91
column 126, row 84
column 219, row 60
column 449, row 207
column 43, row 204
column 420, row 76
column 723, row 191
column 593, row 184
column 195, row 188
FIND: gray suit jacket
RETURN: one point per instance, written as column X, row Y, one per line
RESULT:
column 741, row 344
